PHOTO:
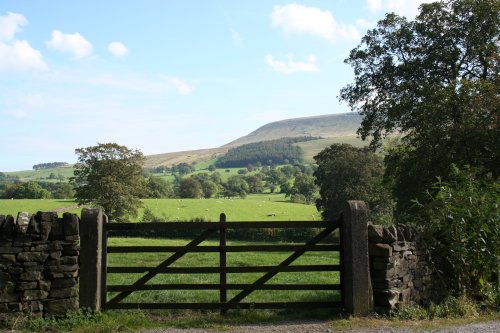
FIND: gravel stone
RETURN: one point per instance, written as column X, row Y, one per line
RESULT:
column 324, row 327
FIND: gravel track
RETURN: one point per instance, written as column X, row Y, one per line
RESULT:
column 324, row 327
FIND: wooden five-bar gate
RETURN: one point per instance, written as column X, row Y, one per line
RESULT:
column 354, row 285
column 210, row 229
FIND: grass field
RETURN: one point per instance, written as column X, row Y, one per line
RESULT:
column 12, row 207
column 312, row 148
column 255, row 207
column 38, row 175
column 211, row 260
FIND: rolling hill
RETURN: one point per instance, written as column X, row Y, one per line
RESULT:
column 326, row 126
column 339, row 128
column 333, row 128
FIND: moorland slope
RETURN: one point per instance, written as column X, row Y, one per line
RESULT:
column 342, row 127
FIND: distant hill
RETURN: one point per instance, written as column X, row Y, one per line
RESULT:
column 341, row 127
column 332, row 128
column 188, row 156
column 327, row 126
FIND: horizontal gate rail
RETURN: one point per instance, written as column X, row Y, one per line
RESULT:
column 218, row 270
column 229, row 286
column 217, row 305
column 216, row 225
column 228, row 248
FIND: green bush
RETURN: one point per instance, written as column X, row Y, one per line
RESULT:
column 463, row 220
column 451, row 307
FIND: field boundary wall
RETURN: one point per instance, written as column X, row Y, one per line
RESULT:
column 39, row 256
column 400, row 268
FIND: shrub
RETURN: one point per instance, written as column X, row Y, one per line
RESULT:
column 451, row 307
column 462, row 217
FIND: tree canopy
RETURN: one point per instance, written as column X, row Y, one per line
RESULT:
column 110, row 176
column 49, row 165
column 347, row 173
column 435, row 80
column 264, row 152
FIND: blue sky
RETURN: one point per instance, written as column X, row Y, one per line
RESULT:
column 164, row 76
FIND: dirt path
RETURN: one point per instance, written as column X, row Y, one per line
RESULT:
column 326, row 327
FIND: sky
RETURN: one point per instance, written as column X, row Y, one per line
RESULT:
column 165, row 76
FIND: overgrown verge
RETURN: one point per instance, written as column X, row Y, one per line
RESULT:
column 453, row 311
column 461, row 218
column 132, row 320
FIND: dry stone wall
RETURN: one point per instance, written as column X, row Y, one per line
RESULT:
column 38, row 264
column 399, row 267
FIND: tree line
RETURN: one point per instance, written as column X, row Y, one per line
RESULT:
column 41, row 166
column 280, row 151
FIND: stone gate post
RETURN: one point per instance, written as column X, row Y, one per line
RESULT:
column 91, row 233
column 356, row 276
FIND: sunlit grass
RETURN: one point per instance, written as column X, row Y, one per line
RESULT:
column 255, row 207
column 14, row 206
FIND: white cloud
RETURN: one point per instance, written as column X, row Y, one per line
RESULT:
column 11, row 24
column 180, row 85
column 17, row 55
column 20, row 56
column 298, row 19
column 75, row 44
column 17, row 113
column 134, row 83
column 374, row 5
column 235, row 35
column 408, row 8
column 290, row 66
column 118, row 49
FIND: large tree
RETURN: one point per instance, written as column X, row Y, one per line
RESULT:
column 434, row 80
column 110, row 176
column 303, row 189
column 349, row 173
column 159, row 188
column 190, row 188
column 28, row 190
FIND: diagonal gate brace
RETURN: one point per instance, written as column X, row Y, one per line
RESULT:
column 266, row 277
column 173, row 258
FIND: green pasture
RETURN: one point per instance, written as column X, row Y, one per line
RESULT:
column 314, row 147
column 256, row 207
column 12, row 207
column 43, row 174
column 238, row 259
column 205, row 164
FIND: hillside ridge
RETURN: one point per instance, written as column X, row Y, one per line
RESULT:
column 332, row 125
column 335, row 125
